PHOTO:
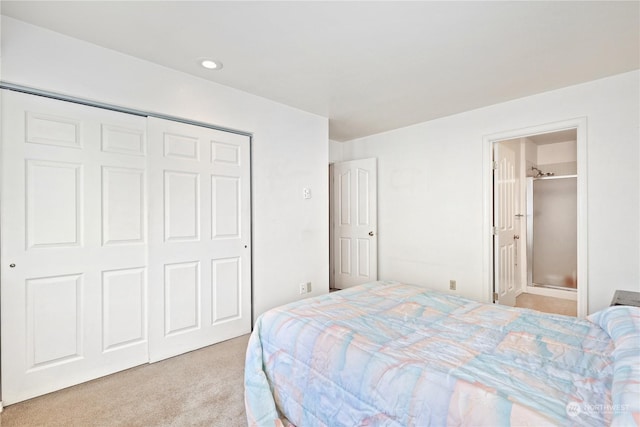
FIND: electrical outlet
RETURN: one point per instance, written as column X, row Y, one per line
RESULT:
column 452, row 285
column 303, row 288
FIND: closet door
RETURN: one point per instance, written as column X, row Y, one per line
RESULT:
column 200, row 231
column 74, row 236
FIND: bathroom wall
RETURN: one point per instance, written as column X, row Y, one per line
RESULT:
column 559, row 158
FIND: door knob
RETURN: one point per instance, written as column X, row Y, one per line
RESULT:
column 371, row 233
column 12, row 265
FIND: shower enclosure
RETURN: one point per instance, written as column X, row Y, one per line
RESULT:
column 552, row 231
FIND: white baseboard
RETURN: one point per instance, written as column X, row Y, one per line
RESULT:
column 555, row 293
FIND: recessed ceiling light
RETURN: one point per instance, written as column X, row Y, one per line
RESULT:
column 210, row 64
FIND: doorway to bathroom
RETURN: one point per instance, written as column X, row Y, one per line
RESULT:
column 538, row 217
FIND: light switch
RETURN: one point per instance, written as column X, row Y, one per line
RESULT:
column 306, row 193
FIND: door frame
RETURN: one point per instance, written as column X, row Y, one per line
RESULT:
column 580, row 124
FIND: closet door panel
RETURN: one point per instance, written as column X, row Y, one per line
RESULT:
column 116, row 250
column 53, row 221
column 199, row 253
column 123, row 206
column 73, row 276
column 181, row 195
column 124, row 308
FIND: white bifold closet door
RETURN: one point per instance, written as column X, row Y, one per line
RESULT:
column 200, row 274
column 117, row 249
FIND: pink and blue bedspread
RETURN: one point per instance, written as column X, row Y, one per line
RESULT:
column 388, row 354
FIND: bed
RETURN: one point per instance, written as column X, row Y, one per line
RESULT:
column 391, row 354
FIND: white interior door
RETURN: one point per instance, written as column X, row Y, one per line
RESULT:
column 200, row 232
column 73, row 257
column 505, row 225
column 355, row 222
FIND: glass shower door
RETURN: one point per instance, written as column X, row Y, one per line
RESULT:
column 552, row 234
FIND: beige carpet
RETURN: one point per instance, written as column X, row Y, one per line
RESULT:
column 201, row 388
column 547, row 304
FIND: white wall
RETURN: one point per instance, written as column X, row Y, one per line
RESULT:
column 289, row 149
column 531, row 156
column 560, row 152
column 335, row 151
column 430, row 186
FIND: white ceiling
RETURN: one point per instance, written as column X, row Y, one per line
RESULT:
column 367, row 66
